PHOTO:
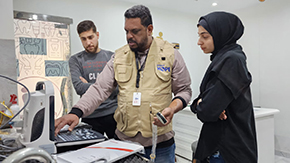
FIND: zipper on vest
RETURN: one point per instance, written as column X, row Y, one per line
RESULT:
column 152, row 115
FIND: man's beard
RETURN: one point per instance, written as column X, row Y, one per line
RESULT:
column 140, row 46
column 94, row 50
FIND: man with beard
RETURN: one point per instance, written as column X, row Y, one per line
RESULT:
column 147, row 71
column 85, row 67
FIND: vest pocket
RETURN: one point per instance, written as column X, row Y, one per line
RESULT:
column 163, row 71
column 123, row 72
column 120, row 116
column 161, row 101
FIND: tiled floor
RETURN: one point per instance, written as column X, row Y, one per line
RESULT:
column 278, row 159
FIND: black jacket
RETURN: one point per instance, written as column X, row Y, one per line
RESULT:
column 226, row 86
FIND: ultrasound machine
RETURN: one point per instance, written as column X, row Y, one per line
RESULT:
column 37, row 135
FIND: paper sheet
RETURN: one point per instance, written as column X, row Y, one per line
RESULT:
column 110, row 150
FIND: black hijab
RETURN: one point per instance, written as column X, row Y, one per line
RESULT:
column 225, row 28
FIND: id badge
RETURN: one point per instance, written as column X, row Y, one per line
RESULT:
column 136, row 99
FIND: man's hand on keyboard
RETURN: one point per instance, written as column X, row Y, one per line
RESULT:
column 70, row 119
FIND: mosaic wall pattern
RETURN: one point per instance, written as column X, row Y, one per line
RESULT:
column 56, row 68
column 33, row 46
column 42, row 51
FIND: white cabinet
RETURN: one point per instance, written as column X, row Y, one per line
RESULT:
column 187, row 128
column 265, row 134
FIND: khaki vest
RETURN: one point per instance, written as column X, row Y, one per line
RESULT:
column 154, row 85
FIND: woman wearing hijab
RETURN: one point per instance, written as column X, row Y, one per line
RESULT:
column 224, row 104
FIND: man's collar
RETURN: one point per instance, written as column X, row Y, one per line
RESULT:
column 143, row 53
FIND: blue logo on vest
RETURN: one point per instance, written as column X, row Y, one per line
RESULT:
column 163, row 68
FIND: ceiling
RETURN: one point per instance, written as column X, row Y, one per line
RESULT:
column 198, row 7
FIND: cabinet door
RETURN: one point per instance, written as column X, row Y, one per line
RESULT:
column 187, row 128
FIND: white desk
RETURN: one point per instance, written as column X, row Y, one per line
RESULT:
column 187, row 128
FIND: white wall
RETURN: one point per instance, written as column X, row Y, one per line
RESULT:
column 266, row 42
column 7, row 52
column 6, row 15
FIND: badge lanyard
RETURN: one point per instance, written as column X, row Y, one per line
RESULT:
column 139, row 69
column 137, row 95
